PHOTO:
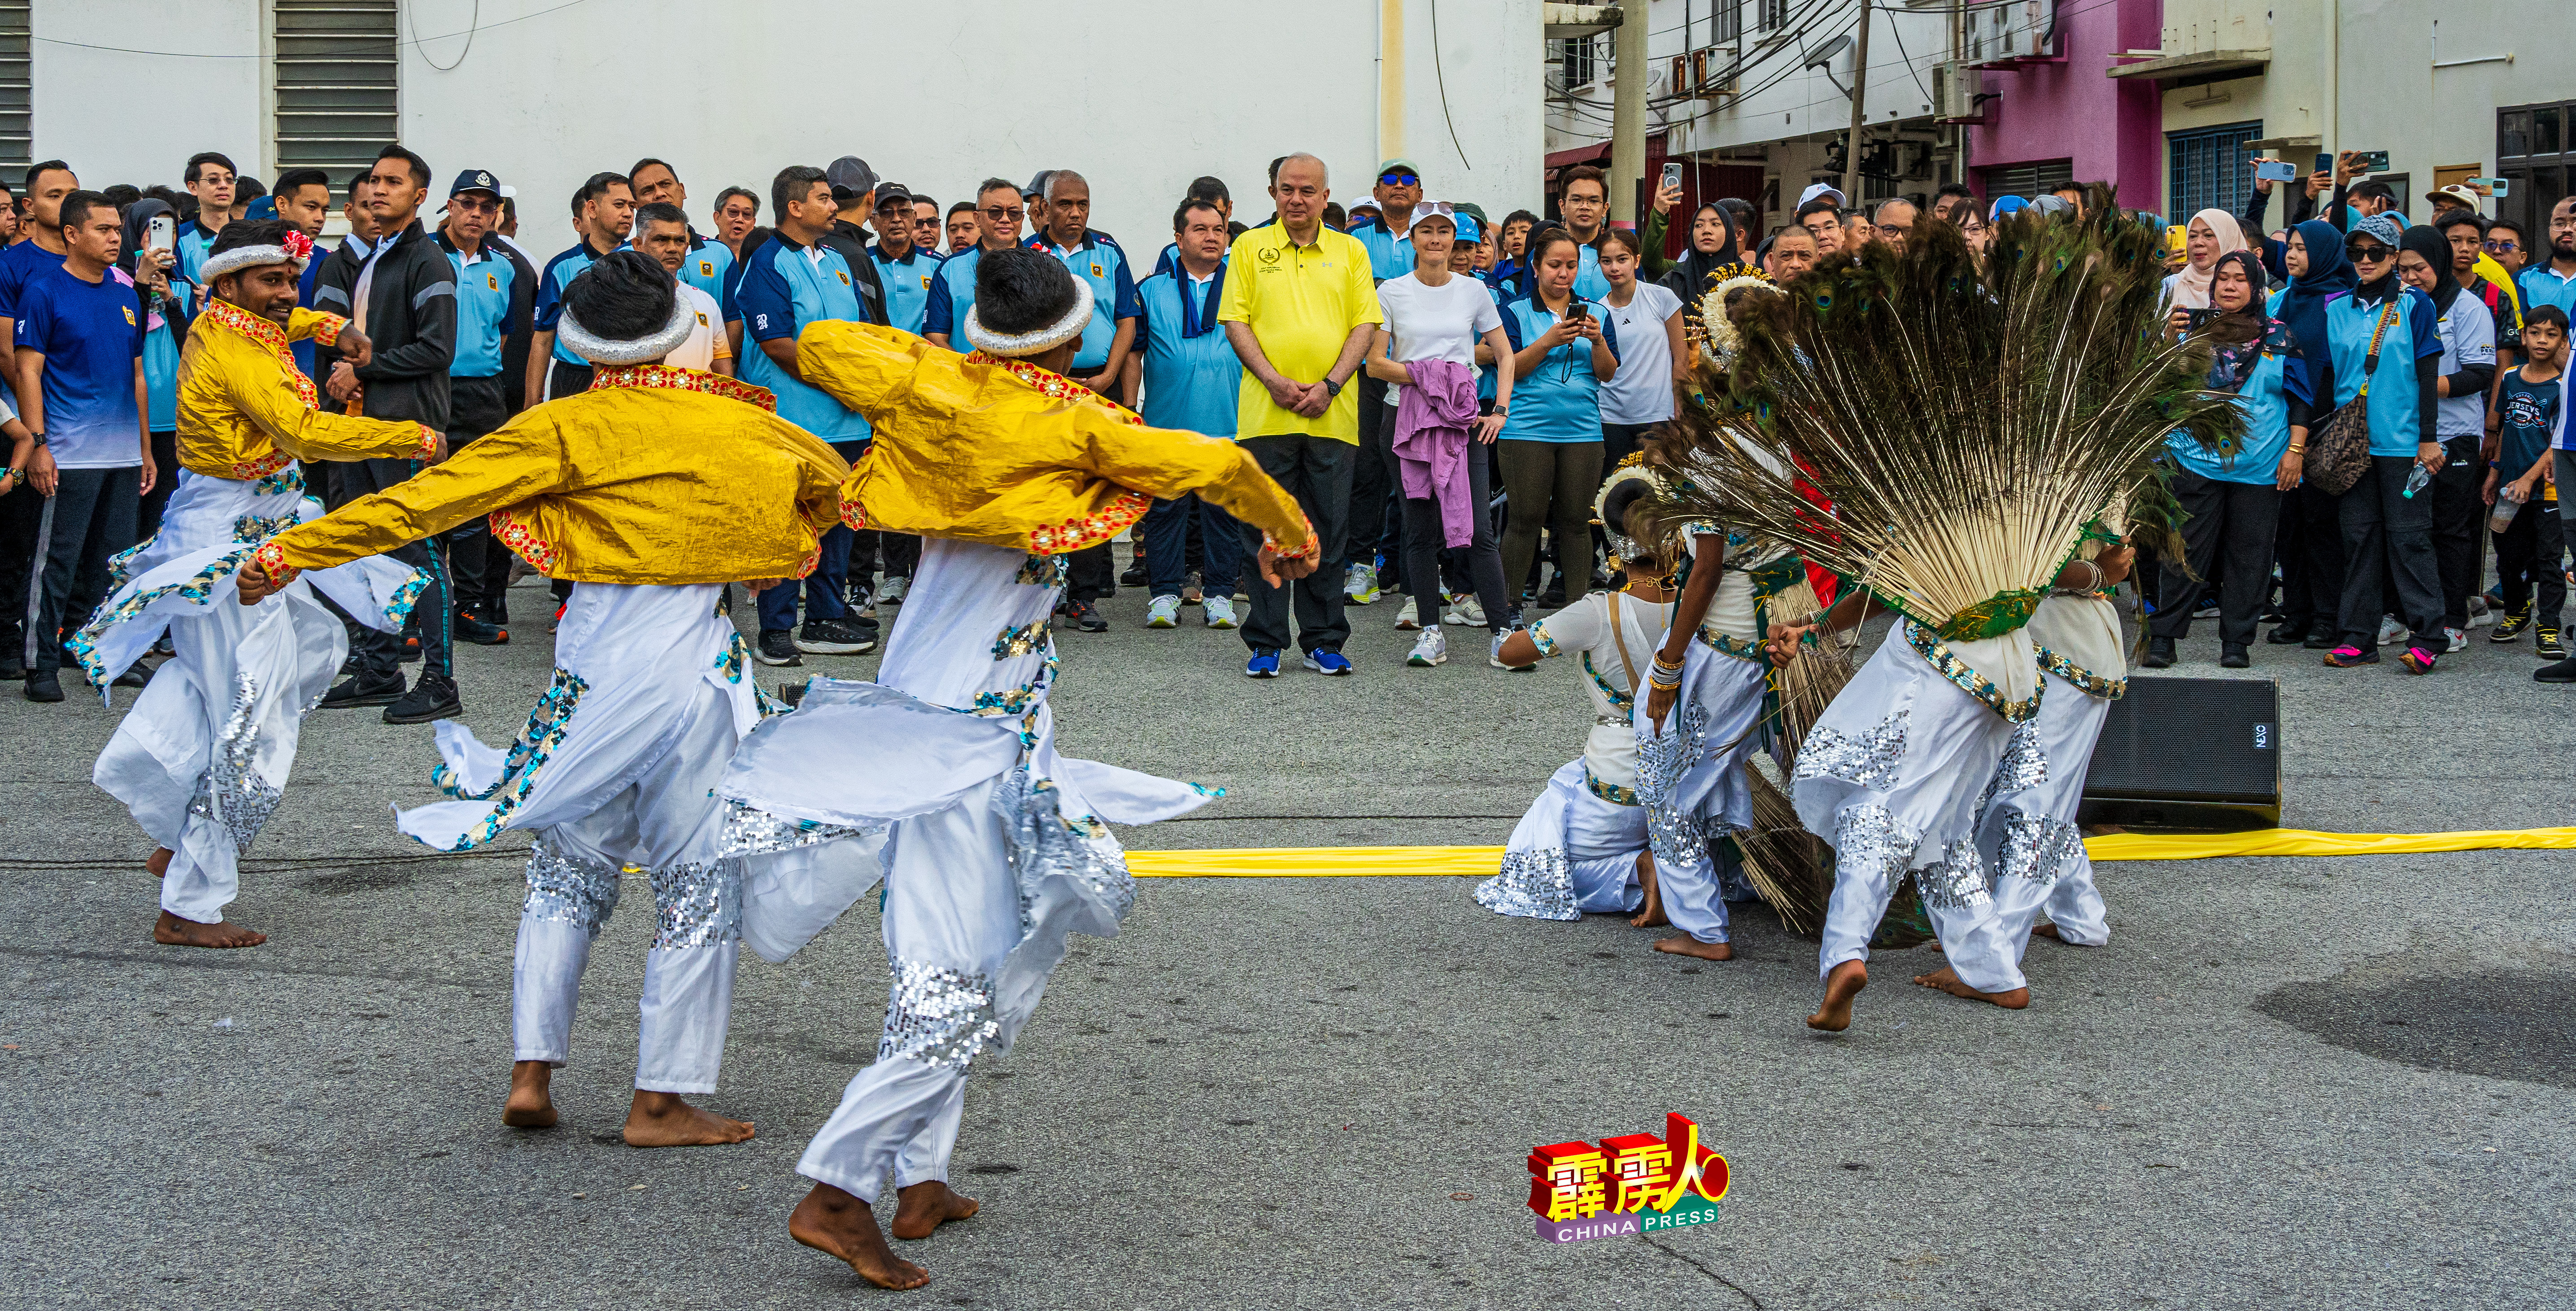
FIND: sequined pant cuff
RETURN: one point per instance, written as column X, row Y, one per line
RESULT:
column 575, row 889
column 936, row 1015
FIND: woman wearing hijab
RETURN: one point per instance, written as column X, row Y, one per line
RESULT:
column 168, row 304
column 1712, row 247
column 2467, row 369
column 2385, row 524
column 2310, row 543
column 2210, row 234
column 2232, row 495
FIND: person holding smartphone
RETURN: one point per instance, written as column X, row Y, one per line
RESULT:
column 1551, row 442
column 2210, row 234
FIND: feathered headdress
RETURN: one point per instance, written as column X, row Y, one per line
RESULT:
column 1967, row 426
column 1719, row 340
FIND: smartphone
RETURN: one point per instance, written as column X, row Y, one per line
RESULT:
column 2276, row 170
column 1580, row 309
column 2374, row 161
column 161, row 233
column 2494, row 186
column 1672, row 175
column 2325, row 164
column 2194, row 320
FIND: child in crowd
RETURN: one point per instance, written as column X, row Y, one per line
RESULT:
column 2527, row 550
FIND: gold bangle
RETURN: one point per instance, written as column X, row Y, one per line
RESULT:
column 2299, row 450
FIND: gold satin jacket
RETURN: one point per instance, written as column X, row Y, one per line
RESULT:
column 1002, row 452
column 246, row 411
column 657, row 474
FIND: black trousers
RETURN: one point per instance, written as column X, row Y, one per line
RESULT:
column 91, row 519
column 2383, row 528
column 2527, row 559
column 1377, row 483
column 2459, row 524
column 478, row 406
column 22, row 512
column 1317, row 471
column 2310, row 545
column 1425, row 539
column 165, row 460
column 566, row 379
column 2227, row 538
column 380, row 654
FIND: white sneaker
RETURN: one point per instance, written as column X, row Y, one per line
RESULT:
column 1164, row 612
column 1409, row 618
column 893, row 591
column 1466, row 611
column 1220, row 612
column 1494, row 654
column 2390, row 631
column 2459, row 638
column 1359, row 587
column 2481, row 615
column 1429, row 649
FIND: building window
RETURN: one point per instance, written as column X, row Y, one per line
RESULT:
column 1574, row 62
column 17, row 95
column 2027, row 180
column 1770, row 15
column 2212, row 168
column 336, row 101
column 2535, row 158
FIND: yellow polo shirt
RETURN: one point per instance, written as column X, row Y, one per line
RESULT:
column 1301, row 303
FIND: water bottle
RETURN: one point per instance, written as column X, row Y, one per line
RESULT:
column 2508, row 504
column 2417, row 481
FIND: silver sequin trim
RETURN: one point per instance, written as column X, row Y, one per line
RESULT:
column 1046, row 845
column 2024, row 765
column 1870, row 835
column 936, row 1015
column 569, row 888
column 1870, row 760
column 1535, row 885
column 699, row 905
column 2036, row 848
column 1957, row 881
column 1676, row 837
column 231, row 792
column 749, row 832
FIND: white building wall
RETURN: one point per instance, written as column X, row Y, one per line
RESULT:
column 1140, row 97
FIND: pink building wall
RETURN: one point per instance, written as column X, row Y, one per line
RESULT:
column 2070, row 108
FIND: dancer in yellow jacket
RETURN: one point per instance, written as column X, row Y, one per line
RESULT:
column 995, row 847
column 649, row 492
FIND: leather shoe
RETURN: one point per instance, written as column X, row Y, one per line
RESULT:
column 2232, row 655
column 2319, row 641
column 2287, row 635
column 2160, row 653
column 44, row 685
column 2562, row 672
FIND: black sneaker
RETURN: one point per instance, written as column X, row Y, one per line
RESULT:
column 2562, row 672
column 13, row 667
column 135, row 675
column 1133, row 575
column 777, row 647
column 2287, row 635
column 2160, row 653
column 1086, row 617
column 360, row 690
column 2232, row 655
column 2320, row 640
column 43, row 685
column 433, row 697
column 469, row 628
column 834, row 637
column 2511, row 626
column 2551, row 646
column 1554, row 600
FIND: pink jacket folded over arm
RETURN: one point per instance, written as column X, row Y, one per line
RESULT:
column 1431, row 425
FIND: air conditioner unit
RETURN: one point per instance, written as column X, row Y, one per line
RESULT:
column 2008, row 32
column 1954, row 93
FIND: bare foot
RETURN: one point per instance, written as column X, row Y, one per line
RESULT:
column 172, row 931
column 2046, row 931
column 532, row 1103
column 926, row 1206
column 1842, row 984
column 1686, row 945
column 158, row 863
column 834, row 1223
column 1947, row 980
column 1650, row 915
column 660, row 1119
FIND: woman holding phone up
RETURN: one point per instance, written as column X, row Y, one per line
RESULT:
column 1551, row 441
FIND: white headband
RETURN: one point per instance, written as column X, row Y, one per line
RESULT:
column 242, row 257
column 1032, row 343
column 600, row 350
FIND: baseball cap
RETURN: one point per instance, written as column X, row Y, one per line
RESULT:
column 261, row 210
column 477, row 179
column 891, row 192
column 1036, row 189
column 850, row 177
column 2457, row 192
column 2004, row 207
column 1436, row 209
column 1822, row 189
column 1399, row 164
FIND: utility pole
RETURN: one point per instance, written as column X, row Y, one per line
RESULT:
column 1860, row 112
column 1629, row 74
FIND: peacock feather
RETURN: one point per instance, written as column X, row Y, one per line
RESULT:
column 1968, row 424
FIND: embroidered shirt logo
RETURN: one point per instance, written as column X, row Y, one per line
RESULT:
column 129, row 316
column 844, row 277
column 706, row 268
column 492, row 281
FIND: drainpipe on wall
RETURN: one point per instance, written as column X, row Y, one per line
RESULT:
column 1390, row 78
column 1629, row 74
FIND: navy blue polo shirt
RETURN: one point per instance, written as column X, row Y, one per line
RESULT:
column 304, row 288
column 484, row 283
column 1100, row 262
column 907, row 284
column 20, row 264
column 91, row 334
column 557, row 275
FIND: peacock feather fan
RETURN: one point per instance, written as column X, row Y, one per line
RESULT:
column 1968, row 425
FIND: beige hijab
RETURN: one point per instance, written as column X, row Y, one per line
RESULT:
column 2191, row 286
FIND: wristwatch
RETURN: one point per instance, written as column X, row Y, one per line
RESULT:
column 1332, row 388
column 40, row 437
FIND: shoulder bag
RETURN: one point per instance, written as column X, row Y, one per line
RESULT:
column 2340, row 455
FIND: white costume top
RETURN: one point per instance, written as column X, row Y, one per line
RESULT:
column 1584, row 629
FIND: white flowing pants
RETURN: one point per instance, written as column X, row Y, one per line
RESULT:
column 2028, row 833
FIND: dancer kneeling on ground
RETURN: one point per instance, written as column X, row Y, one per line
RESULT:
column 1582, row 846
column 202, row 759
column 995, row 847
column 616, row 769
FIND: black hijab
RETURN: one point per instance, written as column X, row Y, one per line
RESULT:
column 2430, row 246
column 2237, row 337
column 1688, row 277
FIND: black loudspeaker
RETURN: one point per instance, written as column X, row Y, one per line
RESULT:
column 2193, row 753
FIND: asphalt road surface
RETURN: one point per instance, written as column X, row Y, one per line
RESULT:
column 2287, row 1082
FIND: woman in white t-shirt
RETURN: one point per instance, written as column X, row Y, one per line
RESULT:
column 1436, row 313
column 1648, row 316
column 1583, row 845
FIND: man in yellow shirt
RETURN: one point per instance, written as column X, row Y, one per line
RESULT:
column 1300, row 309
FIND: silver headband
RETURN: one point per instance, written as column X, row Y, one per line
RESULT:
column 1033, row 343
column 600, row 350
column 242, row 257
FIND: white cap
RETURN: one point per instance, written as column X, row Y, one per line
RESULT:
column 1822, row 189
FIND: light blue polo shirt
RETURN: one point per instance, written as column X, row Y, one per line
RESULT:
column 2541, row 285
column 1100, row 262
column 1390, row 253
column 783, row 287
column 709, row 268
column 557, row 275
column 1588, row 281
column 952, row 293
column 196, row 241
column 2264, row 400
column 907, row 284
column 483, row 287
column 1191, row 374
column 161, row 360
column 2396, row 429
column 1560, row 400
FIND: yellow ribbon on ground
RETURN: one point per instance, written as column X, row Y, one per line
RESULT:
column 1480, row 862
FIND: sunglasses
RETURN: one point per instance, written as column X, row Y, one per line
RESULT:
column 2368, row 254
column 998, row 215
column 1398, row 180
column 2503, row 247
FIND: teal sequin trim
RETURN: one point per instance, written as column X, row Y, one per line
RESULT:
column 2107, row 689
column 1930, row 646
column 195, row 587
column 1041, row 571
column 1020, row 641
column 1538, row 637
column 731, row 659
column 1618, row 698
column 546, row 724
column 1734, row 646
column 287, row 481
column 257, row 528
column 1610, row 792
